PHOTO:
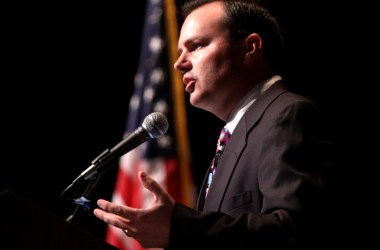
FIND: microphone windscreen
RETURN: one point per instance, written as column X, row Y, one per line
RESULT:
column 156, row 124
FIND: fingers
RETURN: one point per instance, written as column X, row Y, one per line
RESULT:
column 115, row 220
column 142, row 224
column 111, row 219
column 123, row 211
column 113, row 214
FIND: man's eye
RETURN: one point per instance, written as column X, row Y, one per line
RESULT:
column 195, row 46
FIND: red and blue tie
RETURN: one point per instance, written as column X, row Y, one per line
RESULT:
column 222, row 141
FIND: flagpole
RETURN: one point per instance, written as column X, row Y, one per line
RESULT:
column 171, row 26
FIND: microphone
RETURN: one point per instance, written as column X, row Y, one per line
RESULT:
column 153, row 126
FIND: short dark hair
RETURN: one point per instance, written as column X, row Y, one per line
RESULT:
column 245, row 17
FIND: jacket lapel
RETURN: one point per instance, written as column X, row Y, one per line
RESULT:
column 234, row 148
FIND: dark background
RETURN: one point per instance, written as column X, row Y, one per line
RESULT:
column 68, row 75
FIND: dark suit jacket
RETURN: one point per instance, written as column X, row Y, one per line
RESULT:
column 270, row 182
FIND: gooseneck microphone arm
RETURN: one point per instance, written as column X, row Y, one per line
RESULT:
column 154, row 126
column 110, row 157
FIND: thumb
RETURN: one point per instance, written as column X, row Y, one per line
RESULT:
column 158, row 191
column 151, row 184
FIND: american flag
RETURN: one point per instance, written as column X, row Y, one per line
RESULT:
column 157, row 88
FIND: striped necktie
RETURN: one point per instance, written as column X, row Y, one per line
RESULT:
column 222, row 141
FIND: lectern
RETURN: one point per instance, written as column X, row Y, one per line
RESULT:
column 25, row 225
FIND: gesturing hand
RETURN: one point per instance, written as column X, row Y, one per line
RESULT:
column 150, row 226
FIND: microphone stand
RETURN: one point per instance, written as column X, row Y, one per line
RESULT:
column 85, row 202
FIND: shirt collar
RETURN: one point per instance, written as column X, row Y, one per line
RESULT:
column 247, row 101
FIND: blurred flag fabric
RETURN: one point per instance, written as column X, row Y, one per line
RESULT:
column 157, row 88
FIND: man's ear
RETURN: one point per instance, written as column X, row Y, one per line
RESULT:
column 253, row 44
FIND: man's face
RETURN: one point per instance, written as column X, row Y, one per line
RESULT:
column 209, row 59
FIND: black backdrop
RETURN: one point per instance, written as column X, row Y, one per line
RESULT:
column 68, row 75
